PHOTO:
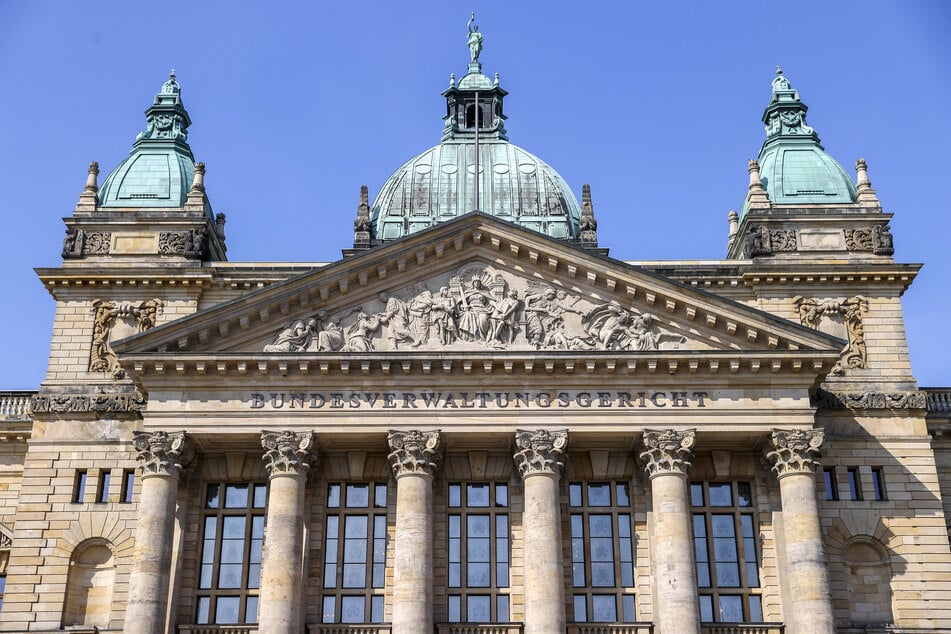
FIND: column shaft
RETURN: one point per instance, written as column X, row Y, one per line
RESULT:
column 152, row 556
column 413, row 568
column 544, row 565
column 806, row 574
column 282, row 569
column 672, row 557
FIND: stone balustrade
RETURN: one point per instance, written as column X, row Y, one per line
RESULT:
column 939, row 400
column 15, row 405
column 742, row 628
column 473, row 628
column 611, row 628
column 217, row 629
column 342, row 628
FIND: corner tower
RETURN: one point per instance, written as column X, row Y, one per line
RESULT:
column 474, row 167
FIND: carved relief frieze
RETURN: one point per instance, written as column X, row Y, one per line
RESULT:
column 78, row 243
column 540, row 451
column 762, row 241
column 192, row 243
column 477, row 308
column 850, row 310
column 91, row 403
column 824, row 399
column 877, row 239
column 139, row 317
column 163, row 453
column 287, row 452
column 413, row 452
column 667, row 451
column 794, row 451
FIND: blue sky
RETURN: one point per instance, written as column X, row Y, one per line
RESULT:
column 294, row 106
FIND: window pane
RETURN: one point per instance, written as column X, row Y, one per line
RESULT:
column 260, row 496
column 358, row 496
column 226, row 610
column 477, row 575
column 236, row 496
column 599, row 495
column 602, row 574
column 706, row 608
column 627, row 608
column 356, row 526
column 251, row 610
column 211, row 500
column 455, row 608
column 477, row 525
column 703, row 575
column 731, row 609
column 721, row 494
column 600, row 525
column 352, row 609
column 722, row 525
column 744, row 494
column 254, row 576
column 333, row 496
column 379, row 496
column 696, row 495
column 724, row 549
column 229, row 576
column 502, row 608
column 502, row 495
column 477, row 495
column 455, row 522
column 577, row 575
column 376, row 609
column 728, row 575
column 581, row 611
column 232, row 551
column 574, row 495
column 478, row 550
column 204, row 605
column 455, row 575
column 756, row 609
column 623, row 499
column 354, row 575
column 455, row 495
column 699, row 526
column 478, row 609
column 603, row 608
column 328, row 611
column 233, row 527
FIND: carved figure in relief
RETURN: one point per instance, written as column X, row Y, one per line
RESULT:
column 360, row 332
column 540, row 309
column 420, row 309
column 639, row 333
column 331, row 338
column 504, row 318
column 475, row 310
column 294, row 338
column 606, row 324
column 443, row 316
column 396, row 317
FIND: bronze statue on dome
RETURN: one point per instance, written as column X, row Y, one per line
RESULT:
column 475, row 40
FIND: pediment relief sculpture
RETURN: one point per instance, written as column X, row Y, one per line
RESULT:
column 477, row 307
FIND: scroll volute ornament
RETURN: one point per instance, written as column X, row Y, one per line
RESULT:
column 667, row 451
column 414, row 452
column 287, row 452
column 163, row 453
column 542, row 451
column 795, row 451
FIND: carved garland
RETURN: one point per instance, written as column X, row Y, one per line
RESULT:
column 95, row 403
column 542, row 451
column 667, row 451
column 287, row 452
column 101, row 356
column 413, row 452
column 855, row 353
column 795, row 451
column 877, row 239
column 78, row 243
column 823, row 399
column 761, row 241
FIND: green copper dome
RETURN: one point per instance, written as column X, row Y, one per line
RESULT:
column 440, row 184
column 794, row 168
column 160, row 168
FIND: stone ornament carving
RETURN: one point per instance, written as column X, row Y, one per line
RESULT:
column 95, row 403
column 541, row 451
column 855, row 353
column 667, row 451
column 413, row 452
column 795, row 451
column 477, row 308
column 191, row 244
column 823, row 399
column 287, row 452
column 761, row 241
column 362, row 226
column 78, row 243
column 106, row 314
column 163, row 453
column 588, row 225
column 877, row 239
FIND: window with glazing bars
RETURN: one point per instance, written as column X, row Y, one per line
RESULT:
column 232, row 541
column 354, row 553
column 724, row 532
column 479, row 545
column 602, row 552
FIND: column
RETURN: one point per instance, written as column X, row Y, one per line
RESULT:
column 414, row 457
column 794, row 454
column 540, row 462
column 287, row 457
column 667, row 456
column 162, row 457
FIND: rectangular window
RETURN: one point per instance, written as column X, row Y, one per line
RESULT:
column 478, row 552
column 79, row 485
column 724, row 532
column 832, row 487
column 602, row 552
column 128, row 485
column 855, row 484
column 102, row 490
column 3, row 587
column 878, row 484
column 354, row 553
column 232, row 542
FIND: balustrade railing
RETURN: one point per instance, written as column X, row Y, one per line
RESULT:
column 742, row 628
column 343, row 628
column 472, row 628
column 939, row 399
column 611, row 628
column 15, row 405
column 217, row 629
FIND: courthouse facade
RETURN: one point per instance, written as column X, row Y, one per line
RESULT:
column 477, row 421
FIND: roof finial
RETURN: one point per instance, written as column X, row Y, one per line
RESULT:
column 866, row 196
column 780, row 82
column 171, row 87
column 588, row 226
column 757, row 198
column 475, row 41
column 452, row 80
column 91, row 185
column 363, row 225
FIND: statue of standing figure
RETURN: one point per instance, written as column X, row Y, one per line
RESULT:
column 475, row 40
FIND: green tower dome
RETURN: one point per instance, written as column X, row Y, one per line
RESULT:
column 794, row 168
column 440, row 183
column 160, row 168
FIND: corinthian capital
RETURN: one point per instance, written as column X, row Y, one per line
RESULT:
column 413, row 452
column 162, row 453
column 287, row 452
column 795, row 450
column 667, row 451
column 541, row 451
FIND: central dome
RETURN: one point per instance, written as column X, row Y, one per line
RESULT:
column 441, row 183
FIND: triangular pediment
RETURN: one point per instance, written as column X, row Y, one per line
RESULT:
column 476, row 284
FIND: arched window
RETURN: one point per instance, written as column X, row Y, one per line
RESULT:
column 868, row 578
column 89, row 586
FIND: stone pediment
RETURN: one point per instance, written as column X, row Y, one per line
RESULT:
column 476, row 284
